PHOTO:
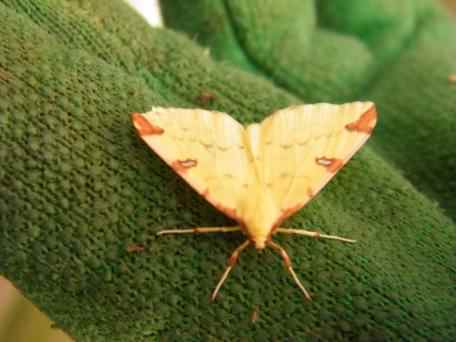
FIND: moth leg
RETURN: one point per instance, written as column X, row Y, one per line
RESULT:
column 231, row 262
column 312, row 234
column 287, row 262
column 200, row 230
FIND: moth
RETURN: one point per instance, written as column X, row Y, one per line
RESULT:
column 261, row 174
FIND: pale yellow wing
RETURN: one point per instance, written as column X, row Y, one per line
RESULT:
column 205, row 148
column 303, row 147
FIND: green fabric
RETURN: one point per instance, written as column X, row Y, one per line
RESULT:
column 78, row 186
column 396, row 53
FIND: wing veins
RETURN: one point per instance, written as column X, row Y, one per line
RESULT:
column 295, row 168
column 249, row 153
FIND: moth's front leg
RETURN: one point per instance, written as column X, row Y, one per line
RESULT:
column 198, row 230
column 314, row 234
column 287, row 262
column 231, row 262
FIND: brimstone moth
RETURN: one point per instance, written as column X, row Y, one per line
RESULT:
column 260, row 174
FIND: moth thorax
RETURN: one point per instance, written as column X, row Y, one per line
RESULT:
column 259, row 229
column 260, row 213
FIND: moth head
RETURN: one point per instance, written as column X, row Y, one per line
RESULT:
column 260, row 242
column 257, row 236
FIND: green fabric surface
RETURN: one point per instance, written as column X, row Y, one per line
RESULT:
column 398, row 54
column 78, row 186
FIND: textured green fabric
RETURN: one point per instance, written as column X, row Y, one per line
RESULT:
column 396, row 53
column 77, row 185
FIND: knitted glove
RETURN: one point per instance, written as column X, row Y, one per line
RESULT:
column 399, row 54
column 79, row 190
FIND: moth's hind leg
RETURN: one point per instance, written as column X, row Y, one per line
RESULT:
column 199, row 230
column 231, row 262
column 287, row 262
column 314, row 234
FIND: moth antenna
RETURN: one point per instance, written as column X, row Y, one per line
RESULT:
column 231, row 262
column 287, row 262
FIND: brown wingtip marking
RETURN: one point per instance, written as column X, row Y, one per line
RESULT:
column 365, row 123
column 144, row 127
column 332, row 164
column 181, row 166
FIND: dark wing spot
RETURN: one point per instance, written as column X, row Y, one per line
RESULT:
column 181, row 166
column 331, row 164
